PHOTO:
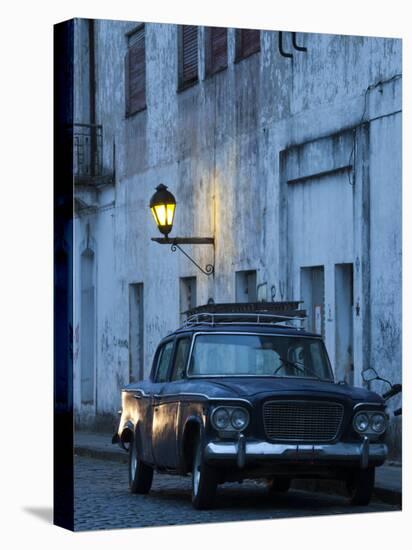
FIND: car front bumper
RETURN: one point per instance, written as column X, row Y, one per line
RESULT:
column 364, row 454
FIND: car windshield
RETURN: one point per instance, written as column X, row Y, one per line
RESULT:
column 259, row 355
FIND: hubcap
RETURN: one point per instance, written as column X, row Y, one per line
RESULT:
column 196, row 471
column 133, row 460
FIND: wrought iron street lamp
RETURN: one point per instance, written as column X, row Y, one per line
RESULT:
column 163, row 206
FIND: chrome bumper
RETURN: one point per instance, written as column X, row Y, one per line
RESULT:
column 364, row 453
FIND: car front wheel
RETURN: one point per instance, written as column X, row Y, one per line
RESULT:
column 204, row 481
column 360, row 486
column 140, row 475
column 278, row 485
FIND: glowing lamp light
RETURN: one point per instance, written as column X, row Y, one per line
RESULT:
column 162, row 205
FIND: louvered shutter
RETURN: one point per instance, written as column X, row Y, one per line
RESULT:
column 189, row 55
column 249, row 42
column 136, row 73
column 218, row 49
column 126, row 82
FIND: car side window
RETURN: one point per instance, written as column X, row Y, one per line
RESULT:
column 164, row 361
column 182, row 351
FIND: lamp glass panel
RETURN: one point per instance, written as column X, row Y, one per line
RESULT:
column 160, row 213
column 170, row 213
column 153, row 211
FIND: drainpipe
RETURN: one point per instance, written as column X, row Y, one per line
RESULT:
column 92, row 98
column 280, row 46
column 294, row 44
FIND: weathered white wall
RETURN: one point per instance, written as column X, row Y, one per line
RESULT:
column 386, row 258
column 217, row 147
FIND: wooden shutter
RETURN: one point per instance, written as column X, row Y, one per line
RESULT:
column 189, row 66
column 218, row 49
column 126, row 83
column 135, row 69
column 249, row 42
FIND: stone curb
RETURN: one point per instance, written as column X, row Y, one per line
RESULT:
column 386, row 495
column 116, row 454
column 389, row 496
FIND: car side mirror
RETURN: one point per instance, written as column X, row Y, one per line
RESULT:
column 369, row 374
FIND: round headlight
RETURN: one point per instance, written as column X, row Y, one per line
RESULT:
column 378, row 423
column 240, row 419
column 221, row 418
column 361, row 422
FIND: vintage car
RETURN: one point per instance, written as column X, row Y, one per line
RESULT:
column 234, row 395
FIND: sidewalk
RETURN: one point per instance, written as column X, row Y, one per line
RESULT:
column 388, row 481
column 98, row 445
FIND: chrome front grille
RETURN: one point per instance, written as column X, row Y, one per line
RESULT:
column 315, row 421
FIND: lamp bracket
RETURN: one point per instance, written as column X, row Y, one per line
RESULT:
column 177, row 241
column 184, row 240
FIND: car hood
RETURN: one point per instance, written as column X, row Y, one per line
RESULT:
column 256, row 387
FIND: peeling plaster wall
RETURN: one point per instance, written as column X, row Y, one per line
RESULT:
column 217, row 146
column 386, row 260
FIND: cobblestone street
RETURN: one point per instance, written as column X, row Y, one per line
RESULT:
column 103, row 501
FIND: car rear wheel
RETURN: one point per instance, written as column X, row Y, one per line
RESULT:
column 204, row 480
column 140, row 475
column 278, row 485
column 360, row 486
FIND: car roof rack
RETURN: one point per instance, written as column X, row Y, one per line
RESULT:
column 262, row 313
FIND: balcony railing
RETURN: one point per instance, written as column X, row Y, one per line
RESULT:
column 87, row 152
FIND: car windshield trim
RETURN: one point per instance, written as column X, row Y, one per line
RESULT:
column 254, row 333
column 259, row 376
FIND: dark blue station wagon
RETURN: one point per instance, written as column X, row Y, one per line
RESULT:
column 245, row 395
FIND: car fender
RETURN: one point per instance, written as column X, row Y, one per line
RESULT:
column 193, row 423
column 138, row 435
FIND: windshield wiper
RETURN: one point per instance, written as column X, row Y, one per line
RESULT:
column 301, row 367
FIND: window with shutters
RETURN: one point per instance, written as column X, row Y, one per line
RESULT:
column 247, row 43
column 135, row 72
column 188, row 56
column 216, row 49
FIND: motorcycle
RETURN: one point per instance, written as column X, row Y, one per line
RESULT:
column 370, row 374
